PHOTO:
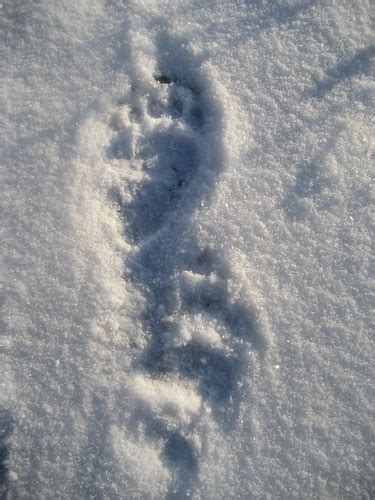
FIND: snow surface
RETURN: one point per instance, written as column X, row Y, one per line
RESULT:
column 186, row 270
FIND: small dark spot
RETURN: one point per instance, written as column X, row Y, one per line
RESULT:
column 163, row 79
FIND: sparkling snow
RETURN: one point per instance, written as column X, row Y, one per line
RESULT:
column 187, row 230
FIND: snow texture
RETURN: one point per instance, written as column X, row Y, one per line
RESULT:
column 187, row 249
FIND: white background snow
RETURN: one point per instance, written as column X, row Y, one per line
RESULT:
column 186, row 232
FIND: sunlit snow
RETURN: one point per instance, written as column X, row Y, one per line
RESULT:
column 187, row 223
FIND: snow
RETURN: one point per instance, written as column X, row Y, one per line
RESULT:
column 187, row 249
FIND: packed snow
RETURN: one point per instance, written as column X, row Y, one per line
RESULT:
column 187, row 233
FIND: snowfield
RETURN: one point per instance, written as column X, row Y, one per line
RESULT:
column 187, row 273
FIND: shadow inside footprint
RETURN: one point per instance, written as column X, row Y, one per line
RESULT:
column 170, row 160
column 183, row 101
column 196, row 117
column 213, row 298
column 180, row 457
column 215, row 372
column 180, row 453
column 177, row 453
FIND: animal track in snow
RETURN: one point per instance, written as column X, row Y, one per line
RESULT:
column 163, row 149
column 165, row 137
